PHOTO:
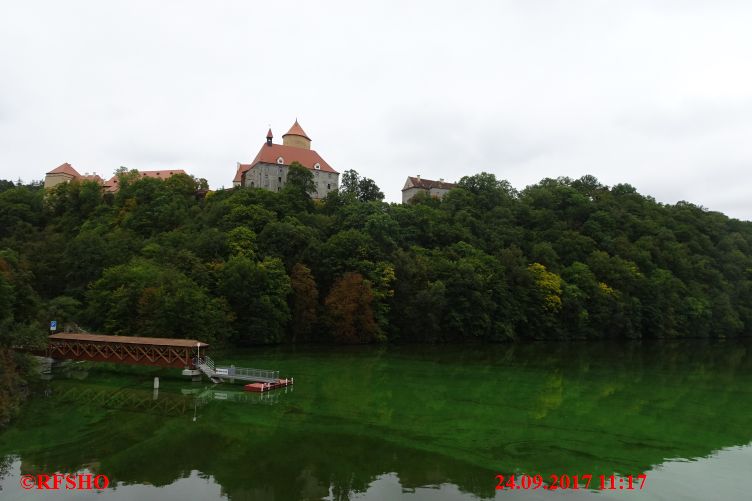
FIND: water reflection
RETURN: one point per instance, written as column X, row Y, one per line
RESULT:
column 431, row 420
column 164, row 403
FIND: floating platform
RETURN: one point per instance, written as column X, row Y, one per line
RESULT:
column 263, row 387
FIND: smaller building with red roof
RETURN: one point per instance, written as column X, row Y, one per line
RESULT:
column 111, row 185
column 434, row 189
column 66, row 173
column 268, row 170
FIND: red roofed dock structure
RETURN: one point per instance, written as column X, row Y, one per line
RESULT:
column 162, row 352
column 186, row 354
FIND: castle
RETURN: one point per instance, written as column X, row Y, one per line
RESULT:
column 269, row 169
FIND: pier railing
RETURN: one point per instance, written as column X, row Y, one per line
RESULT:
column 207, row 366
column 206, row 361
column 259, row 374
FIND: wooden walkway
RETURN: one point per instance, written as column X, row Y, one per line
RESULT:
column 162, row 352
column 187, row 354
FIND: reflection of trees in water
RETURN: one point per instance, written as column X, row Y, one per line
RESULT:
column 5, row 464
column 12, row 386
column 153, row 401
column 433, row 415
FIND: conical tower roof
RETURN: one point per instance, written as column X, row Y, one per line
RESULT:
column 296, row 130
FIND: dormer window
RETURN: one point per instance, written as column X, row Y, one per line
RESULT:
column 280, row 161
column 317, row 166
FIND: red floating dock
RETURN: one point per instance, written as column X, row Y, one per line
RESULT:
column 263, row 387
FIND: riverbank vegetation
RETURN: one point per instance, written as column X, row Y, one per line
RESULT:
column 561, row 259
column 21, row 317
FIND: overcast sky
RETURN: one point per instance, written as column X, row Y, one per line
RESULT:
column 655, row 93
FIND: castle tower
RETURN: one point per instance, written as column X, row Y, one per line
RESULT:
column 296, row 137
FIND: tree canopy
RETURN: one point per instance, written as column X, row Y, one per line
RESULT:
column 560, row 259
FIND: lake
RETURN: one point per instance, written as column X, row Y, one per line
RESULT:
column 402, row 422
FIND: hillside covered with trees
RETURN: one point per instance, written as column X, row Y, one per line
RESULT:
column 562, row 259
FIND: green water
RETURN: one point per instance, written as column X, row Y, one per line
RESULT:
column 412, row 422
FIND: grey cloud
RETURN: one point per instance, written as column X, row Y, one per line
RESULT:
column 689, row 119
column 654, row 93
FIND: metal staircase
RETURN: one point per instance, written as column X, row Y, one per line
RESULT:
column 206, row 365
column 219, row 374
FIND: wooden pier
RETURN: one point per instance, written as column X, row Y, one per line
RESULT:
column 162, row 352
column 186, row 354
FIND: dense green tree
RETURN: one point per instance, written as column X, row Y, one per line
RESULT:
column 303, row 303
column 299, row 181
column 143, row 298
column 349, row 310
column 563, row 258
column 354, row 187
column 257, row 293
column 299, row 188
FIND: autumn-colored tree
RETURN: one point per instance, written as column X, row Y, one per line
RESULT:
column 303, row 302
column 350, row 312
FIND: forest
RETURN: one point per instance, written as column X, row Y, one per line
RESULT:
column 561, row 259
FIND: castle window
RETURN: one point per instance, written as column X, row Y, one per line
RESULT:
column 253, row 184
column 317, row 166
column 280, row 160
column 328, row 186
column 279, row 180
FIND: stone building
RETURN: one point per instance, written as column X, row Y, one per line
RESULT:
column 415, row 185
column 66, row 173
column 269, row 169
column 111, row 185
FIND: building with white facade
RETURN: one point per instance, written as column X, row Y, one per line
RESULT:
column 415, row 185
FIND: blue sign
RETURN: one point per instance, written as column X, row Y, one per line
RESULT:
column 53, row 325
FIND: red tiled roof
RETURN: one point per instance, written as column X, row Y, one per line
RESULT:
column 296, row 130
column 162, row 174
column 307, row 158
column 101, row 338
column 270, row 154
column 92, row 177
column 427, row 184
column 269, row 134
column 111, row 185
column 242, row 169
column 65, row 168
